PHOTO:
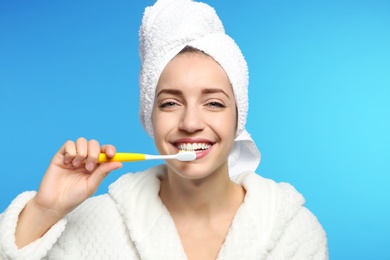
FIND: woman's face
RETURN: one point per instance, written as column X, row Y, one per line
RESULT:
column 194, row 109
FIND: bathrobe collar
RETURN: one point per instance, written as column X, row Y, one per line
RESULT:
column 256, row 227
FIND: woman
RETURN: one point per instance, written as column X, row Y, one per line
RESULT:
column 193, row 96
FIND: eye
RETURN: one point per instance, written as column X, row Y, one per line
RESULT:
column 216, row 105
column 167, row 104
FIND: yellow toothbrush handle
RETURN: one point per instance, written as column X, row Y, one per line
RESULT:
column 122, row 157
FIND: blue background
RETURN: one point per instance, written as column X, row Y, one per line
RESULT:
column 319, row 99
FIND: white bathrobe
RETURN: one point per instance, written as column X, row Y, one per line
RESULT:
column 130, row 222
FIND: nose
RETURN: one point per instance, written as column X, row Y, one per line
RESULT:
column 191, row 121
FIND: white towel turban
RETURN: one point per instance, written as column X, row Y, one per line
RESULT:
column 170, row 25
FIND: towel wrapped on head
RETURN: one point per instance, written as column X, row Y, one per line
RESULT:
column 168, row 27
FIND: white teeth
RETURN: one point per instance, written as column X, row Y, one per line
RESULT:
column 194, row 146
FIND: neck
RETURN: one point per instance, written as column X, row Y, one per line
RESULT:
column 200, row 197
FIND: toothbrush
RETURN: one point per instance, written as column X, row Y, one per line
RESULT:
column 183, row 156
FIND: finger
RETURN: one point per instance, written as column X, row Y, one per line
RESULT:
column 100, row 173
column 93, row 155
column 68, row 151
column 109, row 150
column 82, row 151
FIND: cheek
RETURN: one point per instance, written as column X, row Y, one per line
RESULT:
column 225, row 125
column 157, row 131
column 162, row 123
column 156, row 124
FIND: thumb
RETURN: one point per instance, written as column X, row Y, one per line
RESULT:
column 102, row 172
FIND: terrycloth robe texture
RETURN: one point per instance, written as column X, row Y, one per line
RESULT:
column 131, row 222
column 170, row 25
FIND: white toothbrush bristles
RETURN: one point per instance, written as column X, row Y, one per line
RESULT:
column 186, row 155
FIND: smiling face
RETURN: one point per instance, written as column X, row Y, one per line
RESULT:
column 194, row 109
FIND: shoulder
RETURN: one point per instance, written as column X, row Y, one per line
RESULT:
column 303, row 238
column 306, row 224
column 271, row 205
column 260, row 188
column 279, row 210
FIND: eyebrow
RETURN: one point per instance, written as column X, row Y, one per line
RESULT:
column 214, row 90
column 204, row 91
column 170, row 91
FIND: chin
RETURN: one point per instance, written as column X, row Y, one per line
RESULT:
column 193, row 176
column 191, row 171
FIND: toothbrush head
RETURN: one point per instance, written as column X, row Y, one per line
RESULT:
column 186, row 156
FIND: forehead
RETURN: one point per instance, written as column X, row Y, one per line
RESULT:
column 193, row 69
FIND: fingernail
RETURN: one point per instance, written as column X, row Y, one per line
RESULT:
column 76, row 163
column 89, row 166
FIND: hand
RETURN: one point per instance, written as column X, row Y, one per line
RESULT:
column 73, row 176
